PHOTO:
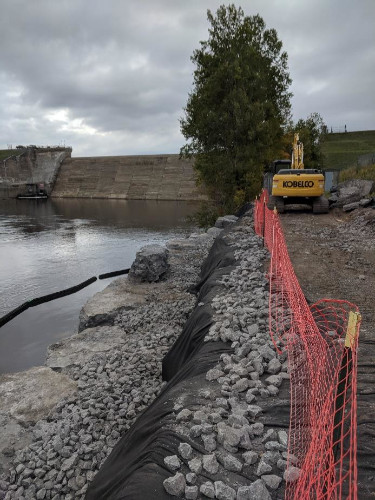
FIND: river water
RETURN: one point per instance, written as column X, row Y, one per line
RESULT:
column 46, row 246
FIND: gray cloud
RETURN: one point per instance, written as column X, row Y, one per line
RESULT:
column 113, row 77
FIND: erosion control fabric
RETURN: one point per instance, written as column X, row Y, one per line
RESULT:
column 135, row 469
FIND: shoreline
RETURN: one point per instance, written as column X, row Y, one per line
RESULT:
column 118, row 377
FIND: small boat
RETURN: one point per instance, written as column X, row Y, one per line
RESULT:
column 34, row 192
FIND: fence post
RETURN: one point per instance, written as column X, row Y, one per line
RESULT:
column 264, row 219
column 343, row 379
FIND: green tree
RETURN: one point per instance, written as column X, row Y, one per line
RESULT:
column 312, row 132
column 239, row 104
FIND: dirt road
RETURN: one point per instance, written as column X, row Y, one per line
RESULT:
column 334, row 257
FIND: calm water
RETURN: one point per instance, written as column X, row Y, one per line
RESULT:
column 46, row 246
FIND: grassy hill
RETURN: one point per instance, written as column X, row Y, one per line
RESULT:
column 342, row 150
column 4, row 153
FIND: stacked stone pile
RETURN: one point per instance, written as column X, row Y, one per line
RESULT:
column 231, row 452
column 233, row 439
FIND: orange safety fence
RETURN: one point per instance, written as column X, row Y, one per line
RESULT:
column 321, row 341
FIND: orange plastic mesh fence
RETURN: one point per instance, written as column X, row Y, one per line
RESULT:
column 321, row 341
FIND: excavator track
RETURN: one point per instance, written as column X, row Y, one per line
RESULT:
column 320, row 205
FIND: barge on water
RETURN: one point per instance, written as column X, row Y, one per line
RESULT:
column 33, row 192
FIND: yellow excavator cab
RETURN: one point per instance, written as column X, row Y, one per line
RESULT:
column 288, row 182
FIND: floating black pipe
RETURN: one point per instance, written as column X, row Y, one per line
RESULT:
column 114, row 273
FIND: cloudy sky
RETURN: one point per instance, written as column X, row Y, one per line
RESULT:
column 111, row 77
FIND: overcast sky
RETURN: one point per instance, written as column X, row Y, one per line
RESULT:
column 111, row 77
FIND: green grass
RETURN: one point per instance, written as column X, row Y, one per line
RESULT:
column 366, row 173
column 4, row 153
column 342, row 150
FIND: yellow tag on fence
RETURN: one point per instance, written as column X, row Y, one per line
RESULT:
column 351, row 331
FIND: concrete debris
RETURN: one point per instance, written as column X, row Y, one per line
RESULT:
column 150, row 264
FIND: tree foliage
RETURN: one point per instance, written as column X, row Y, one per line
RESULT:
column 312, row 132
column 239, row 104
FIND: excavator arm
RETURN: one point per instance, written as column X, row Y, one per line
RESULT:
column 297, row 154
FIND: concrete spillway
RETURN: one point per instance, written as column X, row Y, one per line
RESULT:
column 154, row 177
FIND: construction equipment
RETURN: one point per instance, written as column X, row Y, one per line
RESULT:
column 288, row 182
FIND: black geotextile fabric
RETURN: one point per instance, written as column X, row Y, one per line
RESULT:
column 135, row 469
column 219, row 261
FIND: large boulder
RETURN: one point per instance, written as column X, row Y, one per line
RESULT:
column 352, row 191
column 225, row 221
column 25, row 398
column 151, row 263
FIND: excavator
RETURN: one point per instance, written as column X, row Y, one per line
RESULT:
column 288, row 182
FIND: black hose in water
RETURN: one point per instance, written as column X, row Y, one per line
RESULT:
column 113, row 273
column 45, row 298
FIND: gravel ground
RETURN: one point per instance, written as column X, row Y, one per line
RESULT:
column 333, row 257
column 243, row 449
column 244, row 457
column 69, row 447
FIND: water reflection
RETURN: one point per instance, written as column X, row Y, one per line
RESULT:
column 50, row 245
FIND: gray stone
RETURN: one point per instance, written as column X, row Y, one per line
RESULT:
column 274, row 366
column 291, row 474
column 191, row 478
column 256, row 491
column 209, row 442
column 225, row 221
column 210, row 464
column 275, row 380
column 199, row 417
column 185, row 450
column 195, row 465
column 272, row 481
column 352, row 191
column 214, row 231
column 207, row 489
column 241, row 385
column 195, row 431
column 274, row 445
column 150, row 264
column 250, row 457
column 254, row 410
column 272, row 390
column 175, row 485
column 41, row 494
column 184, row 415
column 214, row 374
column 224, row 492
column 172, row 462
column 365, row 202
column 282, row 464
column 283, row 438
column 256, row 429
column 252, row 330
column 229, row 462
column 258, row 365
column 263, row 468
column 250, row 397
column 31, row 395
column 191, row 492
column 69, row 463
column 226, row 434
column 351, row 206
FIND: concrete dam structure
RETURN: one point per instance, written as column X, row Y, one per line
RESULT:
column 31, row 165
column 151, row 177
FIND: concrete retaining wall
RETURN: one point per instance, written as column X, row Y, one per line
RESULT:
column 154, row 177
